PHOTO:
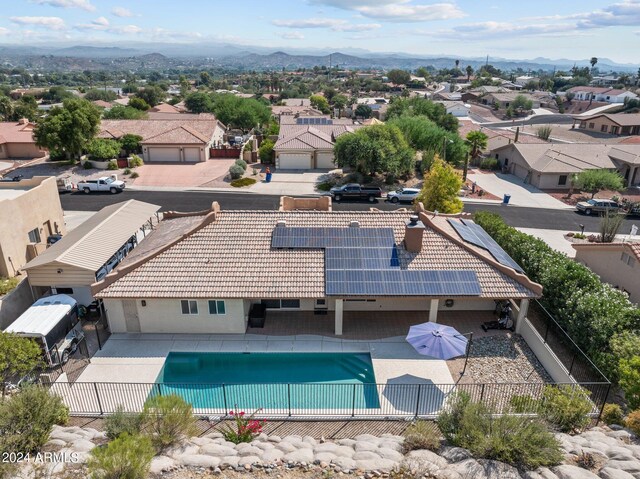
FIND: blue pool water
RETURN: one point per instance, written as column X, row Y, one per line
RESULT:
column 274, row 381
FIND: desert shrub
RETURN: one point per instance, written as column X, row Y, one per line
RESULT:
column 265, row 152
column 87, row 165
column 135, row 161
column 254, row 172
column 241, row 163
column 633, row 421
column 524, row 404
column 112, row 165
column 121, row 422
column 324, row 186
column 586, row 460
column 580, row 236
column 26, row 419
column 565, row 408
column 236, row 171
column 103, row 149
column 7, row 284
column 421, row 435
column 629, row 369
column 355, row 177
column 127, row 171
column 135, row 175
column 127, row 457
column 489, row 164
column 240, row 182
column 449, row 420
column 612, row 414
column 245, row 427
column 168, row 419
column 544, row 133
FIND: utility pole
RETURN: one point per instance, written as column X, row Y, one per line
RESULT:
column 329, row 78
column 487, row 62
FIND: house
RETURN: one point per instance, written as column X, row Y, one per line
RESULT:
column 615, row 263
column 604, row 80
column 165, row 108
column 456, row 108
column 304, row 261
column 90, row 251
column 504, row 100
column 180, row 141
column 447, row 96
column 16, row 140
column 25, row 228
column 602, row 94
column 622, row 124
column 476, row 93
column 496, row 138
column 525, row 79
column 550, row 166
column 378, row 105
column 279, row 111
column 306, row 143
column 296, row 102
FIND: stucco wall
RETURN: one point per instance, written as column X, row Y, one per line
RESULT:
column 164, row 316
column 550, row 181
column 32, row 209
column 22, row 150
column 610, row 268
column 15, row 303
column 544, row 354
column 403, row 304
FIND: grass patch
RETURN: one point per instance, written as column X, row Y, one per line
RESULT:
column 7, row 285
column 240, row 182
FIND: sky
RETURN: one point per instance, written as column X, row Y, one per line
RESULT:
column 516, row 29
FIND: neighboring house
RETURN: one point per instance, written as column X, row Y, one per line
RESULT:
column 524, row 80
column 550, row 166
column 296, row 102
column 303, row 262
column 290, row 110
column 90, row 251
column 176, row 140
column 504, row 100
column 16, row 140
column 604, row 80
column 30, row 212
column 447, row 96
column 165, row 108
column 601, row 94
column 306, row 143
column 378, row 105
column 613, row 123
column 496, row 138
column 102, row 104
column 615, row 263
column 456, row 108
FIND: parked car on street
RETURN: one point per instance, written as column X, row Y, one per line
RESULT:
column 598, row 206
column 356, row 192
column 403, row 194
column 107, row 183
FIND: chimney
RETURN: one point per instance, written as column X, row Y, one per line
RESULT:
column 354, row 224
column 413, row 233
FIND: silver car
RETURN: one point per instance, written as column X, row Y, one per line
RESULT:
column 597, row 206
column 403, row 194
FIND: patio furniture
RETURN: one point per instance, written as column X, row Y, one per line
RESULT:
column 257, row 315
column 440, row 341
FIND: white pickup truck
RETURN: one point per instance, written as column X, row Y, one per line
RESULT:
column 106, row 183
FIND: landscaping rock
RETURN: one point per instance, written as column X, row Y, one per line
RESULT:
column 249, row 450
column 301, row 455
column 540, row 473
column 345, row 463
column 161, row 464
column 426, row 455
column 272, row 455
column 325, row 447
column 218, row 450
column 55, row 443
column 567, row 471
column 324, row 456
column 199, row 460
column 378, row 464
column 455, row 454
column 365, row 446
column 365, row 456
column 498, row 470
column 248, row 460
column 229, row 461
column 632, row 467
column 610, row 473
column 387, row 453
column 81, row 445
column 286, row 447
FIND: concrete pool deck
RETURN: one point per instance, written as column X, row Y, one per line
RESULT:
column 138, row 358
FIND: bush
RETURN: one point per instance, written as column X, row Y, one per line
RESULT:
column 135, row 161
column 127, row 457
column 489, row 164
column 630, row 379
column 8, row 284
column 421, row 435
column 87, row 165
column 524, row 404
column 127, row 171
column 449, row 420
column 26, row 419
column 544, row 133
column 167, row 419
column 101, row 149
column 241, row 163
column 112, row 165
column 121, row 422
column 236, row 171
column 254, row 172
column 245, row 427
column 324, row 186
column 243, row 182
column 566, row 407
column 265, row 152
column 135, row 175
column 612, row 414
column 633, row 422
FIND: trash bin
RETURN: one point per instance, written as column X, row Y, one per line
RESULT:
column 505, row 199
column 268, row 177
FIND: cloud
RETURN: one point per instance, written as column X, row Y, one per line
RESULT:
column 292, row 36
column 121, row 12
column 626, row 13
column 82, row 4
column 401, row 11
column 102, row 24
column 333, row 23
column 53, row 23
column 4, row 31
column 126, row 29
column 357, row 27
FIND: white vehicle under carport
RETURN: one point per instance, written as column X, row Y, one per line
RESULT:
column 53, row 322
column 107, row 183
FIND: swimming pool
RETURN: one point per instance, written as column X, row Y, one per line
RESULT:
column 278, row 382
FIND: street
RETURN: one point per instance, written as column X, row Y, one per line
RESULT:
column 566, row 220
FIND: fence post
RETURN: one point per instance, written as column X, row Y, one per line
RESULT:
column 573, row 360
column 95, row 388
column 482, row 392
column 353, row 402
column 604, row 401
column 546, row 331
column 224, row 398
column 418, row 400
column 98, row 334
column 289, row 397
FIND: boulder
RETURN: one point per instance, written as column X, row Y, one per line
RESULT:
column 265, row 446
column 249, row 450
column 309, row 440
column 81, row 445
column 365, row 446
column 272, row 455
column 64, row 435
column 455, row 454
column 610, row 473
column 324, row 456
column 540, row 473
column 498, row 470
column 229, row 461
column 201, row 441
column 325, row 447
column 384, row 465
column 344, row 451
column 632, row 467
column 199, row 460
column 293, row 439
column 218, row 450
column 389, row 444
column 286, row 447
column 620, row 453
column 275, row 439
column 346, row 442
column 55, row 443
column 386, row 453
column 365, row 456
column 469, row 468
column 248, row 460
column 301, row 455
column 446, row 474
column 345, row 463
column 430, row 456
column 566, row 471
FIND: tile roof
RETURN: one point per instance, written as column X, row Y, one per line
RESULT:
column 165, row 108
column 622, row 119
column 15, row 132
column 214, row 261
column 306, row 138
column 588, row 89
column 631, row 247
column 190, row 130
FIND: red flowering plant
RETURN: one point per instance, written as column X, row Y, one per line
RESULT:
column 246, row 426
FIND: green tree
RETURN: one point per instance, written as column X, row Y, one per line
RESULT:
column 205, row 78
column 375, row 149
column 320, row 103
column 93, row 95
column 440, row 189
column 340, row 103
column 363, row 111
column 25, row 107
column 266, row 151
column 477, row 141
column 130, row 143
column 593, row 181
column 121, row 112
column 244, row 113
column 68, row 129
column 198, row 103
column 138, row 104
column 630, row 380
column 399, row 77
column 469, row 71
column 6, row 108
column 152, row 94
column 56, row 94
column 593, row 62
column 418, row 106
column 18, row 356
column 521, row 103
column 103, row 149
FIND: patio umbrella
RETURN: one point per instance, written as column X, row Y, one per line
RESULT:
column 437, row 340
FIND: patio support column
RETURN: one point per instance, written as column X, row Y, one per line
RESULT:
column 433, row 311
column 522, row 314
column 338, row 325
column 632, row 172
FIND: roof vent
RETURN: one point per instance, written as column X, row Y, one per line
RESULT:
column 281, row 224
column 354, row 224
column 413, row 220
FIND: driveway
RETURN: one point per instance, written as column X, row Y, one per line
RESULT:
column 290, row 183
column 521, row 194
column 208, row 173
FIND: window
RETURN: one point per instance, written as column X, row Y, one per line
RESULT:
column 34, row 236
column 604, row 128
column 592, row 125
column 217, row 307
column 62, row 290
column 628, row 259
column 562, row 180
column 189, row 306
column 281, row 303
column 506, row 162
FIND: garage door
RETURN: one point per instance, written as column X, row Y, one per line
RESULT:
column 294, row 161
column 192, row 155
column 325, row 160
column 164, row 154
column 519, row 171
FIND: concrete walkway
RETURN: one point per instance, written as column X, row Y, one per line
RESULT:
column 290, row 183
column 521, row 194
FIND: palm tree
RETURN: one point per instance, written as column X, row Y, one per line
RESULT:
column 6, row 108
column 477, row 141
column 593, row 62
column 457, row 64
column 469, row 72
